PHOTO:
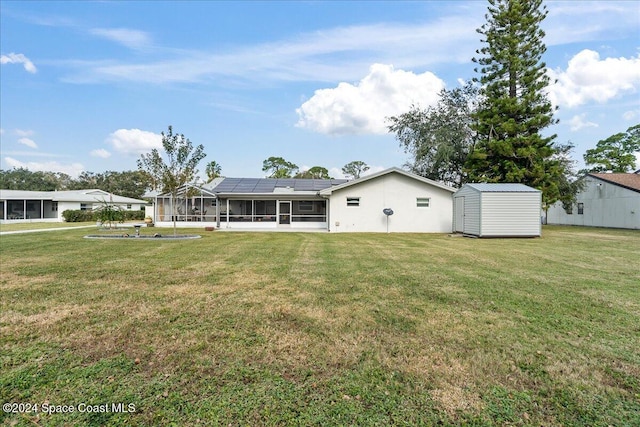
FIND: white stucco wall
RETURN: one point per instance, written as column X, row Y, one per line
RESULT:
column 605, row 205
column 397, row 192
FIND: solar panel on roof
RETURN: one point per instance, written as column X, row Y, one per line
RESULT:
column 268, row 185
column 303, row 185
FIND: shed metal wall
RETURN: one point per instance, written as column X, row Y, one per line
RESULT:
column 499, row 213
column 510, row 214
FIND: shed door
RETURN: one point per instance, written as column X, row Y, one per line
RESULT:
column 459, row 213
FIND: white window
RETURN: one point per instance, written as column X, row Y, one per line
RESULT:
column 54, row 206
column 85, row 207
column 129, row 207
column 353, row 201
column 423, row 202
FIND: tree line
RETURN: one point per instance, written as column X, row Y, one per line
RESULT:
column 278, row 167
column 136, row 183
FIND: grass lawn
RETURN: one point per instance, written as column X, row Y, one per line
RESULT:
column 323, row 329
column 41, row 225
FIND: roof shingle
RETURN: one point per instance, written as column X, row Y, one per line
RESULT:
column 626, row 180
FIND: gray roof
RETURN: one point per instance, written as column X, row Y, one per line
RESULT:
column 386, row 172
column 502, row 188
column 271, row 185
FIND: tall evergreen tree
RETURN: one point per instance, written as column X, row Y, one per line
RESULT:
column 515, row 107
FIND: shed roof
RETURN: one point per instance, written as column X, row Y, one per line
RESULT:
column 630, row 181
column 484, row 187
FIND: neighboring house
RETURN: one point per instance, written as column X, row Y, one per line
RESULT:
column 607, row 200
column 336, row 205
column 47, row 206
column 497, row 210
column 418, row 204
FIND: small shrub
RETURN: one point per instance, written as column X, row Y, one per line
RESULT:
column 77, row 215
column 134, row 215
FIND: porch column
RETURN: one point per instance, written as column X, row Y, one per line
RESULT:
column 41, row 209
column 24, row 209
column 217, row 212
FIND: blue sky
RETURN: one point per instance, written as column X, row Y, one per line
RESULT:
column 90, row 85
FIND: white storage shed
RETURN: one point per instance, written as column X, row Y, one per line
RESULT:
column 497, row 210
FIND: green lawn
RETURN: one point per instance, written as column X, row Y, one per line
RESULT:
column 323, row 329
column 41, row 225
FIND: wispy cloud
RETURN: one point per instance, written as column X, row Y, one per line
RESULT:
column 573, row 21
column 23, row 133
column 28, row 142
column 133, row 39
column 100, row 152
column 343, row 53
column 19, row 58
column 579, row 121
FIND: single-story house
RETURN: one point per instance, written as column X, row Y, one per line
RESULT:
column 336, row 205
column 497, row 210
column 47, row 206
column 607, row 200
column 392, row 200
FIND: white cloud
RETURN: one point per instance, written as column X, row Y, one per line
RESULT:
column 631, row 115
column 134, row 141
column 28, row 142
column 73, row 169
column 363, row 107
column 133, row 39
column 588, row 78
column 100, row 152
column 18, row 58
column 24, row 133
column 579, row 121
